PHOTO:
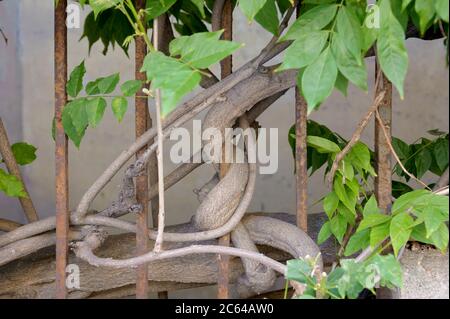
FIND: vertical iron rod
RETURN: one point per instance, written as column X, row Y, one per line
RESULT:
column 141, row 126
column 383, row 180
column 301, row 156
column 226, row 69
column 61, row 151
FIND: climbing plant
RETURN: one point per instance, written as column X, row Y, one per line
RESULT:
column 323, row 49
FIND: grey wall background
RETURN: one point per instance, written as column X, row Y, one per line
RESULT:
column 26, row 106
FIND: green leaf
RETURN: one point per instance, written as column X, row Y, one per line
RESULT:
column 312, row 20
column 101, row 5
column 200, row 5
column 267, row 17
column 10, row 185
column 401, row 148
column 75, row 83
column 24, row 153
column 174, row 78
column 347, row 170
column 423, row 162
column 319, row 78
column 92, row 87
column 251, row 7
column 378, row 234
column 91, row 30
column 154, row 8
column 359, row 156
column 347, row 64
column 304, row 50
column 130, row 88
column 349, row 284
column 119, row 107
column 338, row 226
column 369, row 36
column 203, row 49
column 440, row 237
column 426, row 11
column 78, row 114
column 441, row 7
column 69, row 127
column 405, row 4
column 324, row 234
column 373, row 220
column 371, row 207
column 399, row 188
column 357, row 242
column 391, row 48
column 400, row 231
column 95, row 108
column 108, row 84
column 440, row 152
column 341, row 83
column 389, row 269
column 348, row 25
column 433, row 219
column 298, row 270
column 330, row 204
column 407, row 200
column 322, row 145
column 341, row 192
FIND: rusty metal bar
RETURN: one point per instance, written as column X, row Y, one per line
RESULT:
column 141, row 126
column 61, row 151
column 13, row 168
column 383, row 181
column 226, row 69
column 301, row 168
column 301, row 157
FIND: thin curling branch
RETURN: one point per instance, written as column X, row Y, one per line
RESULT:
column 356, row 136
column 391, row 148
column 84, row 251
column 159, row 153
column 8, row 225
column 13, row 168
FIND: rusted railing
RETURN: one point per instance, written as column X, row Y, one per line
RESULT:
column 61, row 151
column 143, row 123
column 383, row 180
column 301, row 157
column 141, row 126
column 226, row 66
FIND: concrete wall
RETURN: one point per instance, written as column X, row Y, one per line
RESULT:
column 26, row 105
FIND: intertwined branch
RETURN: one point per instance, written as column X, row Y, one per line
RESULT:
column 244, row 94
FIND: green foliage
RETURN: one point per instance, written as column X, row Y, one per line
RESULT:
column 179, row 74
column 10, row 185
column 318, row 79
column 391, row 49
column 24, row 154
column 119, row 107
column 420, row 215
column 102, row 5
column 346, row 281
column 131, row 87
column 422, row 156
column 83, row 112
column 154, row 8
column 251, row 7
column 75, row 83
column 111, row 27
